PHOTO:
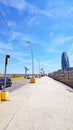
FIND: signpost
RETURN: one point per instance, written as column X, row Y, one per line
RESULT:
column 26, row 69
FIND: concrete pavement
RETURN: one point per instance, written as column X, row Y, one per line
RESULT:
column 45, row 105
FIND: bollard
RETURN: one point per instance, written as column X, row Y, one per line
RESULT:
column 4, row 95
column 32, row 80
column 0, row 96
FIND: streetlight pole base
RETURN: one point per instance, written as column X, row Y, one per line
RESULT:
column 32, row 80
column 4, row 95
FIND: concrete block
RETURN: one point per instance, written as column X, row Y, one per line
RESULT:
column 32, row 80
column 4, row 96
column 0, row 96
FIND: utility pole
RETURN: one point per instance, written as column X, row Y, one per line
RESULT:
column 32, row 79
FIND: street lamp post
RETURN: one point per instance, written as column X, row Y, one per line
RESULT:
column 32, row 79
column 39, row 68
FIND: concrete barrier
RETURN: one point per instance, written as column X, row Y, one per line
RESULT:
column 17, row 78
column 4, row 96
column 0, row 96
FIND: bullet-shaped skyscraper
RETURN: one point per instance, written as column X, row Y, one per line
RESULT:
column 65, row 61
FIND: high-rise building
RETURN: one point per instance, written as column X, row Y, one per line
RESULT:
column 65, row 61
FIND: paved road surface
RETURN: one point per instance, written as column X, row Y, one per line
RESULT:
column 17, row 84
column 45, row 105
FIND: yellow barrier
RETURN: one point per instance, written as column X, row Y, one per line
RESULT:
column 0, row 96
column 17, row 78
column 32, row 80
column 1, row 75
column 4, row 96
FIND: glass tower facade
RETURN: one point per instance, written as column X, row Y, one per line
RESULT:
column 65, row 61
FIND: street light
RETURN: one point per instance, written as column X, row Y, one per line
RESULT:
column 32, row 79
column 39, row 68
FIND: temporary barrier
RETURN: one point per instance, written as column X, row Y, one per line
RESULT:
column 4, row 95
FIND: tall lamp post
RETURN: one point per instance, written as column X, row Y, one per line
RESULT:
column 39, row 68
column 32, row 79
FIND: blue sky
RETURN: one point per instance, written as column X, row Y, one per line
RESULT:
column 47, row 24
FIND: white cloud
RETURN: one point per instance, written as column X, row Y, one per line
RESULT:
column 50, row 66
column 22, row 5
column 17, row 58
column 11, row 23
column 18, row 55
column 35, row 10
column 70, row 55
column 51, row 9
column 61, row 40
column 59, row 9
column 22, row 38
column 12, row 50
column 19, row 4
column 58, row 42
column 70, row 49
column 5, row 46
column 32, row 21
